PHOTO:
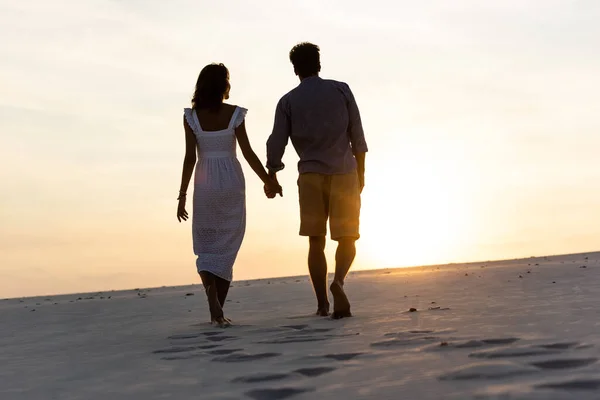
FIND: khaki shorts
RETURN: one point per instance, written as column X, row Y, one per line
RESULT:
column 333, row 197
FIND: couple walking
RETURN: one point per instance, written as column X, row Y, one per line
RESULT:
column 322, row 120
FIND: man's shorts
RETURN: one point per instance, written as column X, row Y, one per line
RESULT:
column 333, row 197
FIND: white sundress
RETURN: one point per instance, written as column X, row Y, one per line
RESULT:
column 219, row 214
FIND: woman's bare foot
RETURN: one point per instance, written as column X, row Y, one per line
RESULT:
column 221, row 322
column 341, row 305
column 323, row 311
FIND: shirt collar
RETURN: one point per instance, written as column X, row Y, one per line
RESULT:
column 310, row 79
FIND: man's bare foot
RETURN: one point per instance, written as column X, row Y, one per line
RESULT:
column 341, row 305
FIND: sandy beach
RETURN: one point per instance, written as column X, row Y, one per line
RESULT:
column 521, row 329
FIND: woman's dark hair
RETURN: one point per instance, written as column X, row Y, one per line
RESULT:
column 306, row 59
column 212, row 84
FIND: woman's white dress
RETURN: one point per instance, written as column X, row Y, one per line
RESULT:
column 219, row 214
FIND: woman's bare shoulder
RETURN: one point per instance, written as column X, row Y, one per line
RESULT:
column 229, row 109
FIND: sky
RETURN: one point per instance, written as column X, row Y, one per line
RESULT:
column 481, row 118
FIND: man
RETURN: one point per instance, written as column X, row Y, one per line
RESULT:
column 323, row 122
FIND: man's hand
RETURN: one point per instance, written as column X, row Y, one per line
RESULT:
column 360, row 169
column 361, row 182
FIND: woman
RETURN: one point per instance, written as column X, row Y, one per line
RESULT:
column 219, row 204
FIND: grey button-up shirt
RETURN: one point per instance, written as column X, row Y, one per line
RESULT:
column 321, row 118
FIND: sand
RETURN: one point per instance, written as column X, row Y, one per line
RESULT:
column 522, row 329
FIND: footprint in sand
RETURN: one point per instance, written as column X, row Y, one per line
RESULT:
column 220, row 338
column 193, row 335
column 565, row 346
column 183, row 356
column 524, row 351
column 413, row 333
column 314, row 372
column 299, row 334
column 259, row 378
column 244, row 357
column 183, row 349
column 513, row 352
column 287, row 340
column 483, row 342
column 489, row 370
column 572, row 385
column 393, row 343
column 342, row 356
column 296, row 327
column 268, row 377
column 410, row 338
column 275, row 394
column 221, row 352
column 567, row 363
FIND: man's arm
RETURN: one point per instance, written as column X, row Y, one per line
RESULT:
column 360, row 168
column 279, row 138
column 356, row 135
column 355, row 129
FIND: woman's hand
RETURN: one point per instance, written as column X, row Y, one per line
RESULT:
column 181, row 213
column 272, row 188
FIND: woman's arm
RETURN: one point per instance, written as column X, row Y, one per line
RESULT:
column 189, row 162
column 252, row 158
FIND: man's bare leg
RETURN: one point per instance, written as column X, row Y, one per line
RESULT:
column 317, row 266
column 344, row 256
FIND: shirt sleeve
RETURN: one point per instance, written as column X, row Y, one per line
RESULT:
column 279, row 138
column 355, row 129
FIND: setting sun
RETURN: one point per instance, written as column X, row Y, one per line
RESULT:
column 416, row 210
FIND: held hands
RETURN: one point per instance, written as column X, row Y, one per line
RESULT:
column 272, row 187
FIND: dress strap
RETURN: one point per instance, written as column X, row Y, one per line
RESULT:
column 192, row 119
column 233, row 117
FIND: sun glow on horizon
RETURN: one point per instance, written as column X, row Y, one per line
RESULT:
column 418, row 213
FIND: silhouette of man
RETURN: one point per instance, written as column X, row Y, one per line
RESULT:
column 321, row 118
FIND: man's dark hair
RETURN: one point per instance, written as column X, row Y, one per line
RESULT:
column 306, row 59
